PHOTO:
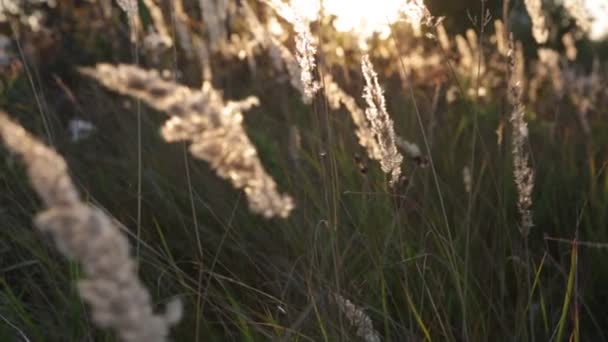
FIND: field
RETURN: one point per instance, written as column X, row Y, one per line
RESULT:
column 257, row 170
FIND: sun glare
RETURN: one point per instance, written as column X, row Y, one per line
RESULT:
column 362, row 17
column 599, row 12
column 365, row 17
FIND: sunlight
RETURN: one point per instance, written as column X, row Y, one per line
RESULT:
column 599, row 12
column 364, row 17
column 361, row 17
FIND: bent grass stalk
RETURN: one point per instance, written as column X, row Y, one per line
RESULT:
column 110, row 286
column 212, row 127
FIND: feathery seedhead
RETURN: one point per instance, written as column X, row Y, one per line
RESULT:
column 540, row 30
column 129, row 6
column 110, row 286
column 213, row 128
column 358, row 319
column 522, row 172
column 306, row 50
column 336, row 97
column 380, row 122
column 416, row 12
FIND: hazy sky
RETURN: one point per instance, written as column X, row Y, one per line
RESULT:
column 599, row 11
column 366, row 17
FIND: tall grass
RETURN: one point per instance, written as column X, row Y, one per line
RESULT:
column 307, row 212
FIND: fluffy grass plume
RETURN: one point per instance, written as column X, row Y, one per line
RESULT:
column 523, row 173
column 539, row 20
column 380, row 122
column 306, row 47
column 129, row 6
column 337, row 97
column 305, row 54
column 213, row 128
column 117, row 298
column 358, row 319
column 214, row 14
column 576, row 9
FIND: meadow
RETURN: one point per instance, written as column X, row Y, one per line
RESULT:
column 260, row 170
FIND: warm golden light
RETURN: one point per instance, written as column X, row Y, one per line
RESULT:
column 599, row 12
column 361, row 17
column 365, row 17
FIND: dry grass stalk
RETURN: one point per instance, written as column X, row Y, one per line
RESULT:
column 416, row 13
column 213, row 128
column 523, row 173
column 214, row 14
column 306, row 47
column 279, row 54
column 467, row 59
column 570, row 45
column 539, row 20
column 410, row 149
column 380, row 122
column 110, row 285
column 550, row 66
column 467, row 179
column 295, row 145
column 443, row 38
column 358, row 319
column 184, row 35
column 576, row 9
column 283, row 9
column 336, row 97
column 164, row 38
column 585, row 92
column 305, row 55
column 502, row 43
column 129, row 7
column 204, row 58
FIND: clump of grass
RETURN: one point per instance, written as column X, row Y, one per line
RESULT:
column 118, row 299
